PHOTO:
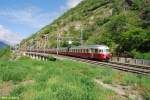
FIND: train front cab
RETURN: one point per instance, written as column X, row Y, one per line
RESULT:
column 102, row 54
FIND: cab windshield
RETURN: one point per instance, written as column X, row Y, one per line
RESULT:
column 105, row 50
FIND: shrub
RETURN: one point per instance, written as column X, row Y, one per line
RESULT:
column 146, row 95
column 50, row 58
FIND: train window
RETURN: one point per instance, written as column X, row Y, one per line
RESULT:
column 87, row 50
column 96, row 50
column 105, row 50
column 100, row 51
column 92, row 50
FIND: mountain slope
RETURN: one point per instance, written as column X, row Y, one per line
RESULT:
column 123, row 25
column 3, row 45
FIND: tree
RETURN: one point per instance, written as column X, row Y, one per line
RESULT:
column 132, row 39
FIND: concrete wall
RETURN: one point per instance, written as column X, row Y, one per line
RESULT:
column 131, row 61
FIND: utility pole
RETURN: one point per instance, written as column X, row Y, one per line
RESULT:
column 58, row 42
column 45, row 37
column 25, row 45
column 37, row 44
column 81, row 36
column 80, row 28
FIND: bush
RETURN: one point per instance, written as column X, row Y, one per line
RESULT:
column 137, row 4
column 139, row 55
column 50, row 58
column 132, row 39
column 146, row 95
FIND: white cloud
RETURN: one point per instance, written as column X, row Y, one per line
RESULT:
column 32, row 16
column 8, row 36
column 73, row 3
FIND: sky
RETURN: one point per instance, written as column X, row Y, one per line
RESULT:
column 19, row 19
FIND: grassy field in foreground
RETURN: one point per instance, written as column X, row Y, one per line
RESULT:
column 64, row 80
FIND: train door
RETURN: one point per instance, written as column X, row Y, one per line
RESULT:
column 91, row 53
column 96, row 52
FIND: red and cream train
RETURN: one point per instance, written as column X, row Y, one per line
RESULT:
column 99, row 52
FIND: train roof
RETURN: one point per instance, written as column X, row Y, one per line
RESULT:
column 91, row 46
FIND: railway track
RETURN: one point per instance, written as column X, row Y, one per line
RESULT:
column 139, row 69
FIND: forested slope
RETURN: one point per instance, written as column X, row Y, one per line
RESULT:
column 123, row 25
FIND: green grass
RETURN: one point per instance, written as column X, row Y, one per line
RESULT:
column 65, row 80
column 5, row 54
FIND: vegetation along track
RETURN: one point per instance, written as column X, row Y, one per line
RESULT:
column 139, row 69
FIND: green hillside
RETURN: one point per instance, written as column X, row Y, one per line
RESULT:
column 5, row 54
column 123, row 25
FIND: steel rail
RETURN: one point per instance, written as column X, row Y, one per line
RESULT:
column 119, row 66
